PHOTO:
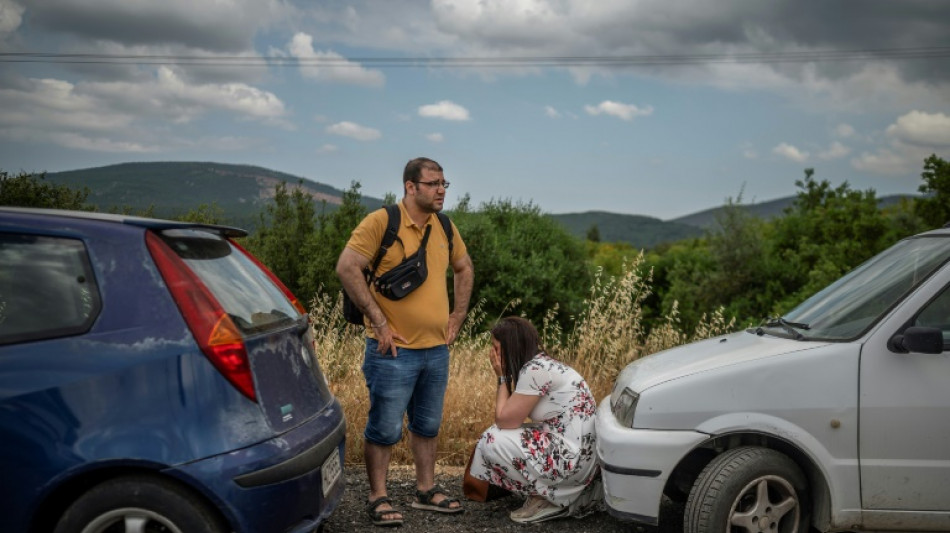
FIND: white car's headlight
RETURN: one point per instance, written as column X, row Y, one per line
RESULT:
column 623, row 406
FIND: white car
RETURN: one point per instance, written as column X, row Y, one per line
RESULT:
column 835, row 417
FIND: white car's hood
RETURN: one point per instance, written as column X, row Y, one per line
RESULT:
column 706, row 355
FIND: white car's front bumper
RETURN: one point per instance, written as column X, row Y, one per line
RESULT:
column 636, row 464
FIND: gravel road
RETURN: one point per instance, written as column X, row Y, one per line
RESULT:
column 490, row 516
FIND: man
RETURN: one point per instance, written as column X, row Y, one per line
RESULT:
column 406, row 359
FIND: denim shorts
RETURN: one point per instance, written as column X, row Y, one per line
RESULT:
column 411, row 384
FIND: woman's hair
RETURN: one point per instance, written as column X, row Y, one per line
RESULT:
column 519, row 342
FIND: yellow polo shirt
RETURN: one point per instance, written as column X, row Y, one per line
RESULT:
column 421, row 317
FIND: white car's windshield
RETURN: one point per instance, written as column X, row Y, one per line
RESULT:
column 847, row 307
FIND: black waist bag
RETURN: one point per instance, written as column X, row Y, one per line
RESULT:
column 407, row 276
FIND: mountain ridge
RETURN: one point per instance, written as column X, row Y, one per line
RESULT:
column 241, row 192
column 176, row 187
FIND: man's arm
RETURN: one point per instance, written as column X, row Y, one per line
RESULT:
column 349, row 268
column 464, row 275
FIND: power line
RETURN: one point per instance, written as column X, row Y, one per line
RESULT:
column 482, row 62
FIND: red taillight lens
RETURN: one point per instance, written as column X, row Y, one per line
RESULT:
column 216, row 334
column 280, row 285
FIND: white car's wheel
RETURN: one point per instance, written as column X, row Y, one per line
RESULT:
column 748, row 490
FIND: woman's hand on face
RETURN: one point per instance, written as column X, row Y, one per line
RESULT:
column 495, row 358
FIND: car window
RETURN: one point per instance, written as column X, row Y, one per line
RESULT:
column 936, row 314
column 849, row 306
column 244, row 291
column 46, row 288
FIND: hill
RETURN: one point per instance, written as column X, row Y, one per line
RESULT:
column 707, row 217
column 242, row 191
column 174, row 188
column 773, row 208
column 640, row 231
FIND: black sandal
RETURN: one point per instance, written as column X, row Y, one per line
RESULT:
column 424, row 501
column 377, row 516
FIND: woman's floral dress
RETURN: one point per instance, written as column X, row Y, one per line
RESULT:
column 553, row 457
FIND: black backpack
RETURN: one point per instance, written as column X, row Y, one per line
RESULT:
column 351, row 312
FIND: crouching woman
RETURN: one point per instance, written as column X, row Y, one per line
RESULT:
column 549, row 461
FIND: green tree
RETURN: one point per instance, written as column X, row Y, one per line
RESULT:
column 742, row 271
column 522, row 255
column 321, row 251
column 680, row 275
column 593, row 233
column 612, row 257
column 934, row 207
column 827, row 232
column 32, row 190
column 204, row 214
column 728, row 268
column 284, row 229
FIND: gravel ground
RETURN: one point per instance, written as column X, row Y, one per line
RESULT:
column 490, row 516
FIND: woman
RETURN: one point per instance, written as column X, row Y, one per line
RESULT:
column 550, row 461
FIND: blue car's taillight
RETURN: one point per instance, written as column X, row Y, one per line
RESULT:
column 215, row 332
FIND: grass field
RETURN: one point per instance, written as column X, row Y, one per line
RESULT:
column 607, row 336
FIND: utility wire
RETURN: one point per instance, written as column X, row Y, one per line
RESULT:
column 482, row 62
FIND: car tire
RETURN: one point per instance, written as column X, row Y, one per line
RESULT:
column 748, row 490
column 141, row 503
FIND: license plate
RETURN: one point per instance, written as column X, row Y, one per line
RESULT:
column 330, row 471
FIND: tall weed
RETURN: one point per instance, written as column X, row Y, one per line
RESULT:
column 609, row 334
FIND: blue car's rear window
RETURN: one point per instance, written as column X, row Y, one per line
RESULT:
column 46, row 288
column 243, row 290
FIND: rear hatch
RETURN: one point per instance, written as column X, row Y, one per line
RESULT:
column 285, row 377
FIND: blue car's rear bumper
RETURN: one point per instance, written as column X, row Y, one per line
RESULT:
column 276, row 485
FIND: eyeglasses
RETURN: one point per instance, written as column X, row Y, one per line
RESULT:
column 435, row 183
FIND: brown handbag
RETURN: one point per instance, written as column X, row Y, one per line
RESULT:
column 479, row 490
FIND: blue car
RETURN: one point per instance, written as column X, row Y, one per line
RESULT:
column 154, row 376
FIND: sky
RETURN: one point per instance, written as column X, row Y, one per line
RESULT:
column 648, row 107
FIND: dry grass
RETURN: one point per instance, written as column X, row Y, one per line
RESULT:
column 607, row 336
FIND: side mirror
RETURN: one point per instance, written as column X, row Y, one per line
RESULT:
column 917, row 340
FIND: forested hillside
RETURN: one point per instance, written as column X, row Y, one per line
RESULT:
column 172, row 189
column 707, row 218
column 637, row 230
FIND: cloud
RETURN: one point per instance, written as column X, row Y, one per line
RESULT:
column 790, row 152
column 223, row 144
column 172, row 97
column 913, row 137
column 884, row 161
column 354, row 131
column 551, row 112
column 922, row 129
column 748, row 151
column 617, row 109
column 330, row 66
column 111, row 116
column 695, row 27
column 702, row 43
column 56, row 106
column 219, row 26
column 99, row 144
column 328, row 149
column 11, row 16
column 435, row 137
column 445, row 110
column 835, row 151
column 844, row 130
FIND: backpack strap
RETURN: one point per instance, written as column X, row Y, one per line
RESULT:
column 447, row 228
column 391, row 236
